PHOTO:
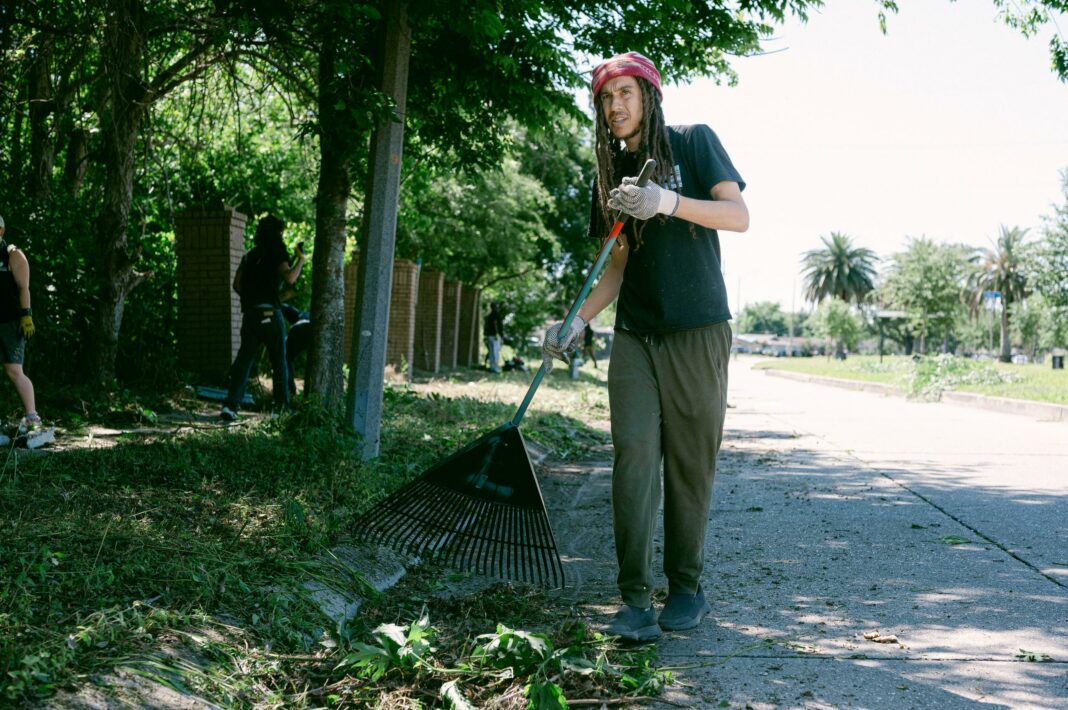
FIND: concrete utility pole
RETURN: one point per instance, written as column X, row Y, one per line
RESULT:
column 375, row 274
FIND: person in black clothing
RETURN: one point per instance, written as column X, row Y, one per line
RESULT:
column 16, row 326
column 297, row 341
column 667, row 378
column 261, row 273
column 587, row 345
column 494, row 332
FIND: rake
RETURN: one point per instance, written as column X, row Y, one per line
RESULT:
column 481, row 509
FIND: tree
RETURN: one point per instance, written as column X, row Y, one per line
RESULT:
column 834, row 320
column 1047, row 262
column 1001, row 270
column 1029, row 16
column 763, row 317
column 1028, row 318
column 838, row 270
column 927, row 281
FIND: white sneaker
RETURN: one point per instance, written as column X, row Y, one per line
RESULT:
column 37, row 438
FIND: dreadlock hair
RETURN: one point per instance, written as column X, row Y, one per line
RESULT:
column 654, row 144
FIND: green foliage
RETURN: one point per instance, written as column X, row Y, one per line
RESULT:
column 835, row 320
column 1033, row 382
column 764, row 317
column 838, row 270
column 1028, row 17
column 111, row 553
column 1047, row 260
column 394, row 647
column 935, row 374
column 543, row 664
column 1002, row 269
column 927, row 281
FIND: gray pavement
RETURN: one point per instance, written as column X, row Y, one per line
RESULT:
column 863, row 551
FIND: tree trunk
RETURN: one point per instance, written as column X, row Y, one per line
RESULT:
column 77, row 161
column 42, row 135
column 1006, row 337
column 125, row 104
column 327, row 353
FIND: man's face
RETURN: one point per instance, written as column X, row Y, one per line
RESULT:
column 621, row 103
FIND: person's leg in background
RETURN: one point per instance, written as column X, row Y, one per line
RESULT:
column 242, row 365
column 494, row 342
column 273, row 334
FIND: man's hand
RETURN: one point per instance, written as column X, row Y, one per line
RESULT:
column 643, row 202
column 556, row 345
column 26, row 326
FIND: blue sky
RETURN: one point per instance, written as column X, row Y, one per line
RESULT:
column 947, row 127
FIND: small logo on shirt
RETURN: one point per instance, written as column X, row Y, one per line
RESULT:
column 675, row 181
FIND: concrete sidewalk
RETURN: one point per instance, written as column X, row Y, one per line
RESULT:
column 863, row 551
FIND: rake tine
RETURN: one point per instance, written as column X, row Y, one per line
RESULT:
column 530, row 533
column 539, row 534
column 505, row 553
column 418, row 534
column 486, row 538
column 460, row 556
column 475, row 538
column 550, row 562
column 405, row 521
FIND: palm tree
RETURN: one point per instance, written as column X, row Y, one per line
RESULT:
column 838, row 270
column 1001, row 270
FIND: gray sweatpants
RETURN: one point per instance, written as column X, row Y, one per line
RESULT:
column 668, row 398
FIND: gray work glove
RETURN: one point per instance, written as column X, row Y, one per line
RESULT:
column 555, row 345
column 643, row 202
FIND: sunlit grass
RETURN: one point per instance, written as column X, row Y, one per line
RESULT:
column 1036, row 382
column 109, row 555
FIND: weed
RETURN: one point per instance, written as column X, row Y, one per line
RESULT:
column 111, row 556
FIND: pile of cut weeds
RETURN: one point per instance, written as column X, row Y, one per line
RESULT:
column 184, row 559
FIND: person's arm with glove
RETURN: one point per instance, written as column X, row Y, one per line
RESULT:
column 606, row 290
column 20, row 270
column 725, row 210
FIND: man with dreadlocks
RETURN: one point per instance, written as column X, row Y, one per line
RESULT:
column 667, row 379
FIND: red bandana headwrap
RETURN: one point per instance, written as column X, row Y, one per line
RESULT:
column 629, row 64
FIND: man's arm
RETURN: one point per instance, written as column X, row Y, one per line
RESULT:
column 726, row 210
column 607, row 288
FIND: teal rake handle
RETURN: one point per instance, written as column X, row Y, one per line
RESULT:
column 602, row 256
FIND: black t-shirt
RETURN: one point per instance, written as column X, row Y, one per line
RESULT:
column 494, row 325
column 9, row 289
column 260, row 279
column 674, row 280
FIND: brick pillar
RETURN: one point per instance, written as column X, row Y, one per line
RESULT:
column 209, row 244
column 470, row 327
column 428, row 321
column 450, row 323
column 400, row 333
column 400, row 339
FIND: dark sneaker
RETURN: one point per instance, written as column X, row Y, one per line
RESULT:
column 634, row 624
column 228, row 415
column 684, row 611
